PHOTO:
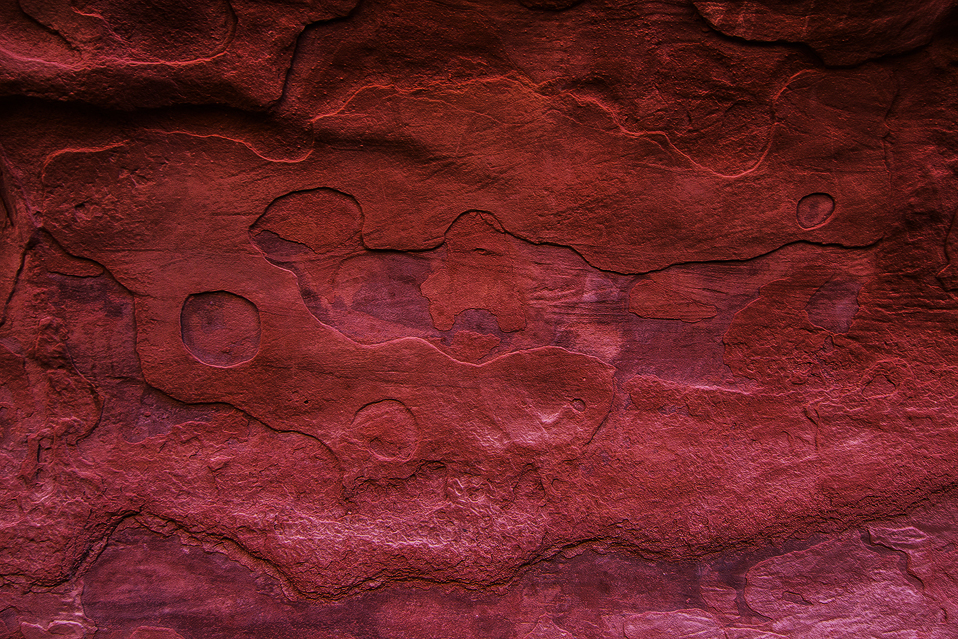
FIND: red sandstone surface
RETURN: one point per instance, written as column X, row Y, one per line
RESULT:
column 542, row 319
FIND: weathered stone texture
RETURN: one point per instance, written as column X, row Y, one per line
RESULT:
column 530, row 319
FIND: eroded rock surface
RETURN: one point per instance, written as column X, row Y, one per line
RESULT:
column 501, row 318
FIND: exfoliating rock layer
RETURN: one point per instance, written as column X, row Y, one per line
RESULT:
column 518, row 319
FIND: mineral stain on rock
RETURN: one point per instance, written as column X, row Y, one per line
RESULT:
column 834, row 305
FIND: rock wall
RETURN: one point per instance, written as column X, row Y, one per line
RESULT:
column 422, row 319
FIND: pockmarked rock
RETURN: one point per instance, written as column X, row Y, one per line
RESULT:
column 525, row 318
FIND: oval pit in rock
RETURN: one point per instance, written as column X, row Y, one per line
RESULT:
column 388, row 428
column 220, row 328
column 814, row 210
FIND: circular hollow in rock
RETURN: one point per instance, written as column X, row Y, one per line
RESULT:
column 388, row 429
column 814, row 210
column 220, row 328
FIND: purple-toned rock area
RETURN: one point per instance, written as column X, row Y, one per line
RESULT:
column 478, row 319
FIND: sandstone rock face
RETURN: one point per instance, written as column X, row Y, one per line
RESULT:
column 478, row 318
column 842, row 33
